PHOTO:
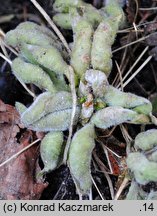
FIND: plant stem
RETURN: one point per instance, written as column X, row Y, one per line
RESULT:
column 74, row 97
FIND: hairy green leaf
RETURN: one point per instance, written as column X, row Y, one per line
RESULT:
column 51, row 150
column 80, row 158
column 30, row 73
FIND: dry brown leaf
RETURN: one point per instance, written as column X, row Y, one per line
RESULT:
column 18, row 178
column 8, row 114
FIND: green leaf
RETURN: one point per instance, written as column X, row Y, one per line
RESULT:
column 80, row 158
column 51, row 149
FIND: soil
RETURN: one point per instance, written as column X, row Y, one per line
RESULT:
column 61, row 185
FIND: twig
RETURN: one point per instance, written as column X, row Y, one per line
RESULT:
column 6, row 18
column 115, row 82
column 127, row 138
column 126, row 60
column 137, row 71
column 125, row 134
column 137, row 6
column 121, row 188
column 101, row 165
column 134, row 42
column 120, row 75
column 5, row 58
column 54, row 27
column 132, row 67
column 74, row 98
column 3, row 48
column 108, row 160
column 10, row 48
column 148, row 9
column 136, row 30
column 139, row 25
column 18, row 153
column 90, row 195
column 97, row 189
column 105, row 147
column 22, row 83
column 27, row 89
column 80, row 197
column 131, row 30
column 110, row 132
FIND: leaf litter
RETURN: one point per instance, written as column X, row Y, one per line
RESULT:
column 18, row 179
